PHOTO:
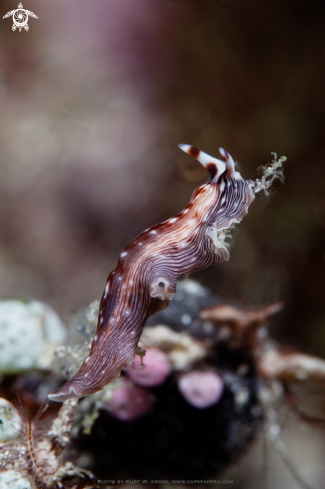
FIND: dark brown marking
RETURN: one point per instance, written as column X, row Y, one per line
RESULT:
column 193, row 151
column 212, row 169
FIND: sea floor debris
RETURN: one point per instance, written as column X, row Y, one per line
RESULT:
column 152, row 423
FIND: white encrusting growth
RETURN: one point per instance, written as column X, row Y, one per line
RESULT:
column 219, row 239
column 269, row 174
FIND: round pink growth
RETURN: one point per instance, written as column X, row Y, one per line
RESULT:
column 201, row 389
column 156, row 369
column 130, row 402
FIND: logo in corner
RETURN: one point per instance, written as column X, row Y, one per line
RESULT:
column 20, row 18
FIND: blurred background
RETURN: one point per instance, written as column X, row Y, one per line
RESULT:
column 94, row 100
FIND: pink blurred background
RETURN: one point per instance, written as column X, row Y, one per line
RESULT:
column 93, row 102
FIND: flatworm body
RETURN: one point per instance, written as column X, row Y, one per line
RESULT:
column 145, row 278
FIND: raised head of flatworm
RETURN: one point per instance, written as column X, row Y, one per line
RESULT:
column 145, row 278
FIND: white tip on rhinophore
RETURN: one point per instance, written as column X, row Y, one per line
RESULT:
column 184, row 147
column 228, row 159
column 214, row 166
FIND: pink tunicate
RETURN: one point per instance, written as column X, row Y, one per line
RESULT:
column 156, row 370
column 201, row 389
column 130, row 402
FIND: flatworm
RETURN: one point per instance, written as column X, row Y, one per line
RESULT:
column 145, row 278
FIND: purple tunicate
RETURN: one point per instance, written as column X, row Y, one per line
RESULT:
column 130, row 402
column 201, row 389
column 156, row 370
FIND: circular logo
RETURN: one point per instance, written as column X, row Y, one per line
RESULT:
column 20, row 18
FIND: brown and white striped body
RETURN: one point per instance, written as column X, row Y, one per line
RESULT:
column 145, row 278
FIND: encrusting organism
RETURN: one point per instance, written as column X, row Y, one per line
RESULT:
column 283, row 375
column 35, row 453
column 201, row 389
column 145, row 278
column 29, row 331
column 210, row 381
column 205, row 412
column 155, row 371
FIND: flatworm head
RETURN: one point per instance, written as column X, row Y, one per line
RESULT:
column 145, row 278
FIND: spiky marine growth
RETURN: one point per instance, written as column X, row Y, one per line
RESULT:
column 269, row 173
column 145, row 278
